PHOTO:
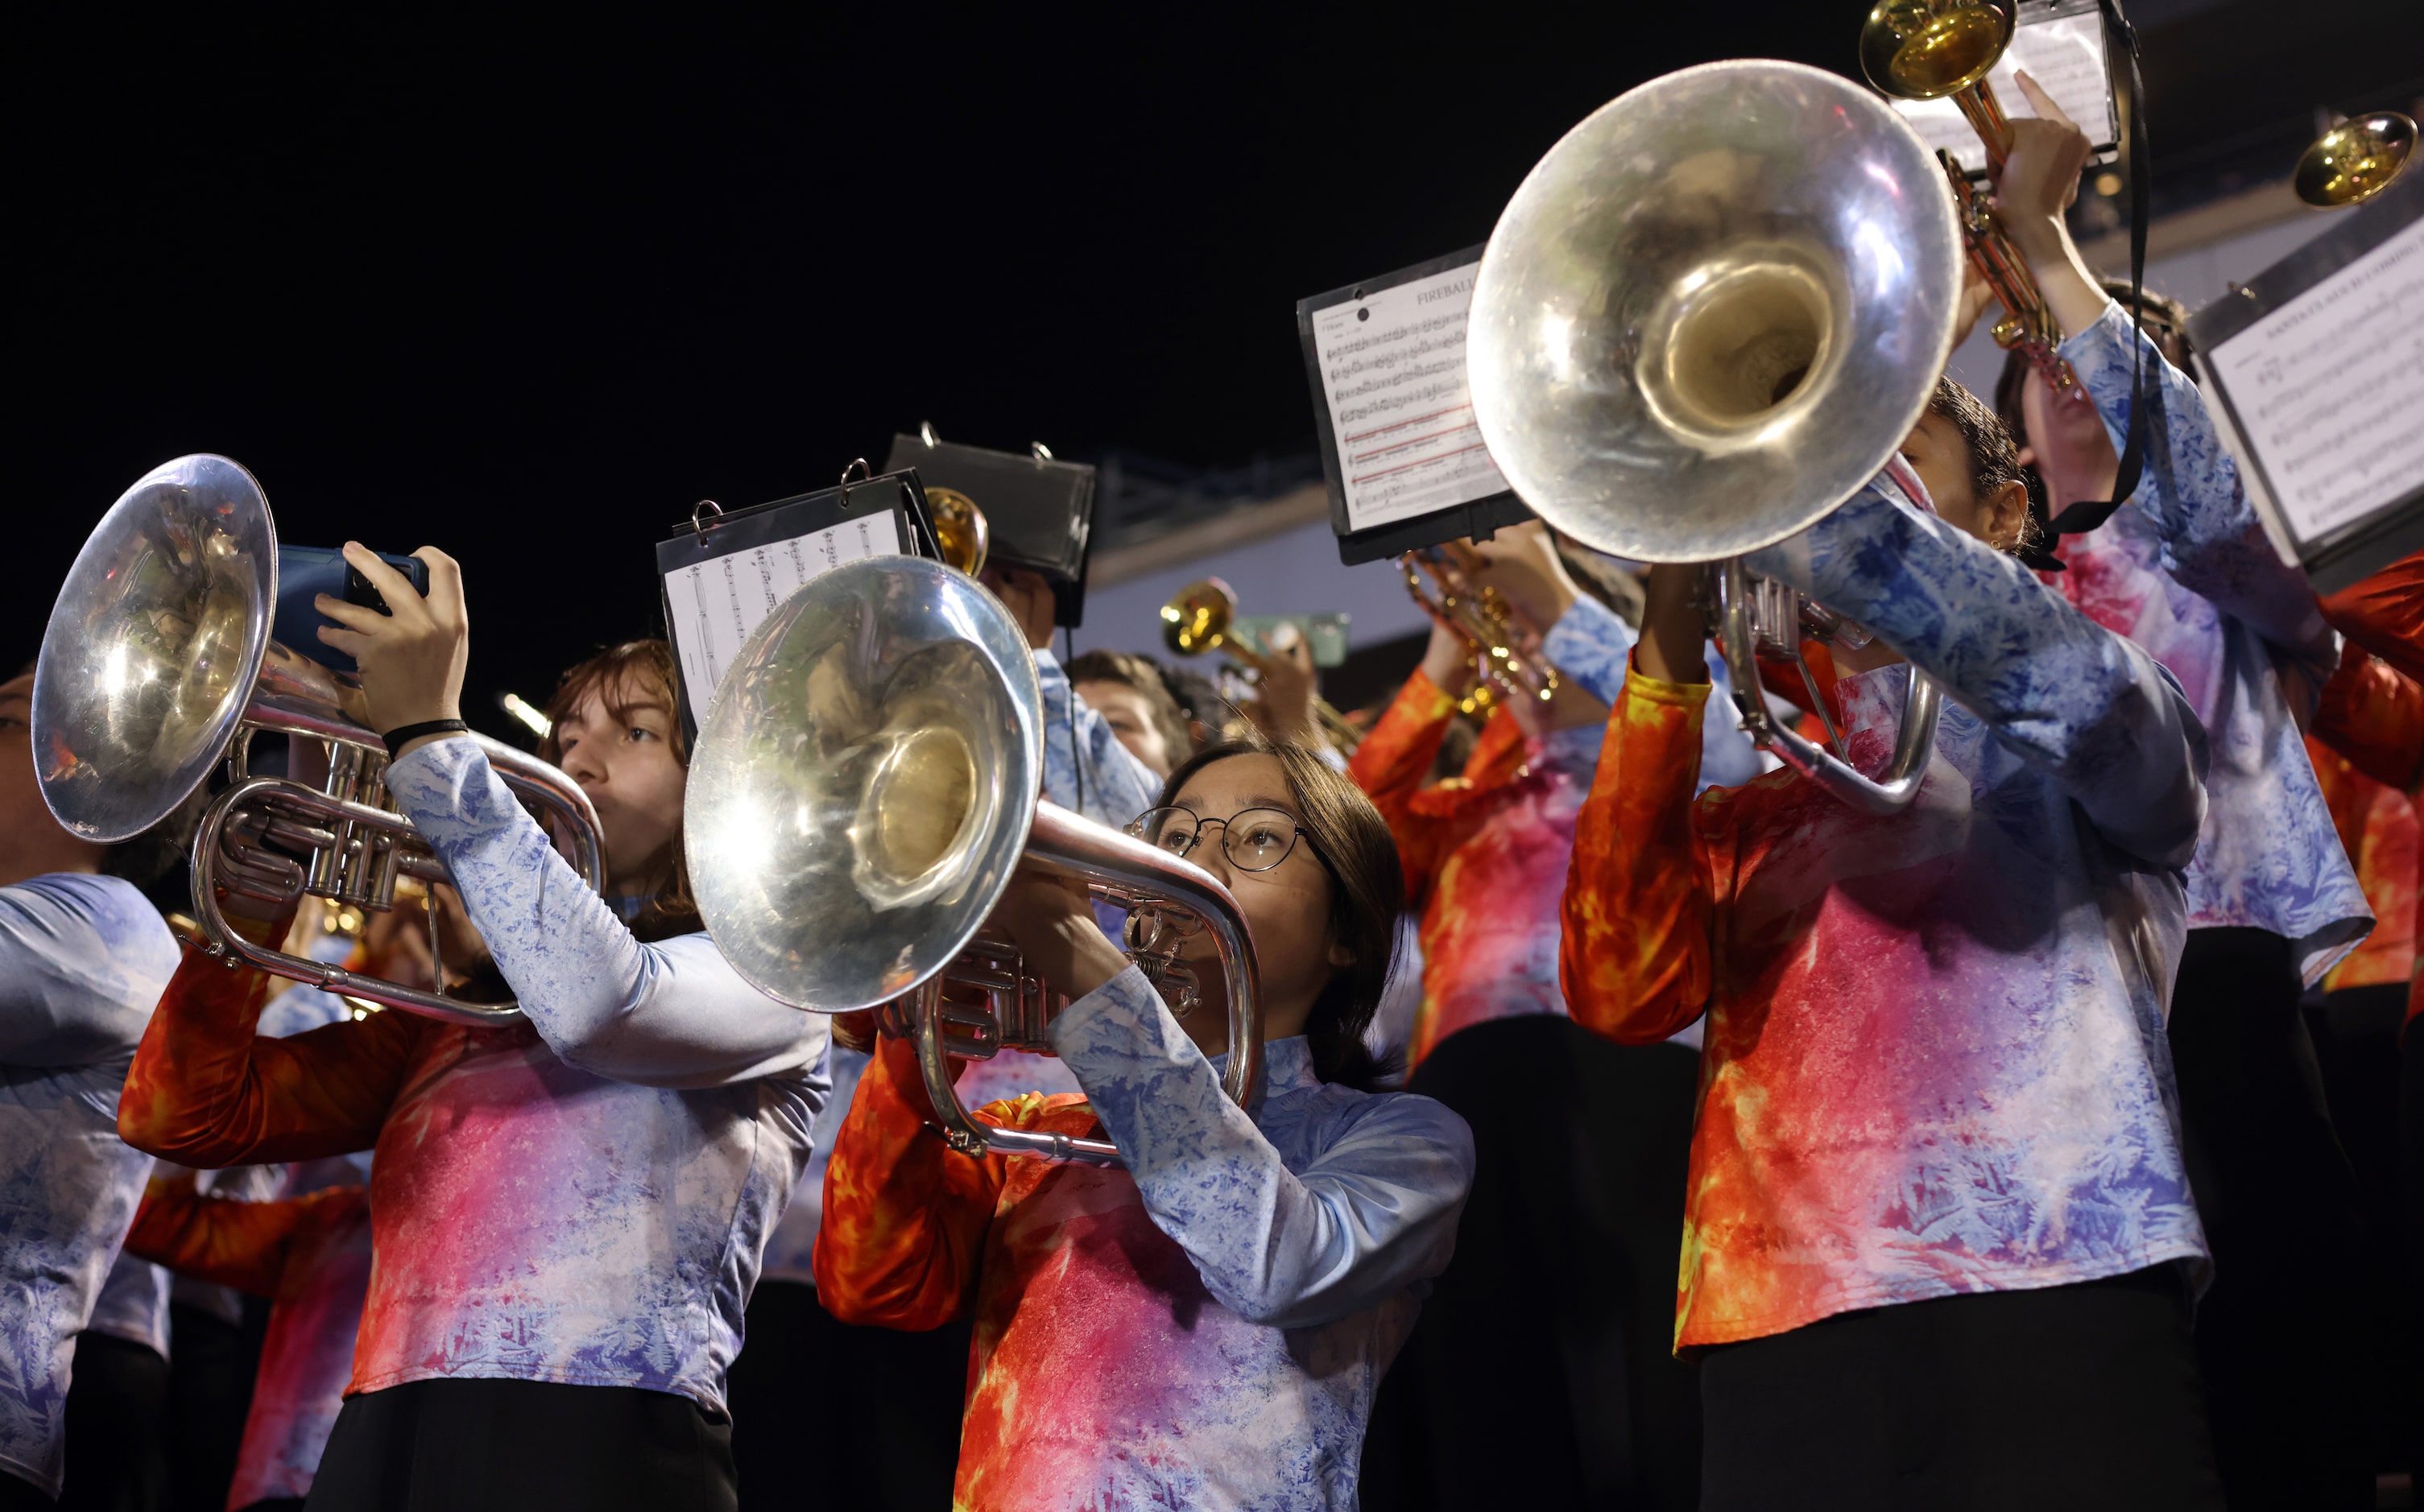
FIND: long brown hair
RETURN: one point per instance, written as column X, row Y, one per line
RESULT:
column 626, row 678
column 1367, row 891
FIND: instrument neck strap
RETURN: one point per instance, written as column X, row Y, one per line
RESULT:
column 2122, row 40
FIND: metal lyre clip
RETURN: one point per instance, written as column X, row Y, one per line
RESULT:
column 698, row 526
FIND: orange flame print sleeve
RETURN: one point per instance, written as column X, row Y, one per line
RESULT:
column 903, row 1240
column 2385, row 613
column 1634, row 958
column 1391, row 766
column 2373, row 715
column 205, row 1091
column 243, row 1245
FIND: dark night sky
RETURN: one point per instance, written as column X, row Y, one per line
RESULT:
column 526, row 293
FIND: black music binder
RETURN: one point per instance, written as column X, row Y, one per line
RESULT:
column 1400, row 449
column 723, row 572
column 1038, row 511
column 2315, row 368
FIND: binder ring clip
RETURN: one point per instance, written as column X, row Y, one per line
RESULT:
column 926, row 434
column 1039, row 451
column 857, row 465
column 698, row 526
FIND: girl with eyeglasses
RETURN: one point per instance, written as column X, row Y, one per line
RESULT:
column 1206, row 1326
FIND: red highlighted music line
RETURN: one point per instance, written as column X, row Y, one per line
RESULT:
column 1362, row 436
column 1414, row 441
column 1419, row 462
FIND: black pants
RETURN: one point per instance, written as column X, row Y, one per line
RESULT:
column 2276, row 1333
column 826, row 1415
column 2357, row 1040
column 2078, row 1397
column 1541, row 1371
column 508, row 1445
column 211, row 1367
column 117, row 1412
column 18, row 1494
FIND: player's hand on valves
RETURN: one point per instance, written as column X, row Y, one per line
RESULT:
column 412, row 656
column 1053, row 922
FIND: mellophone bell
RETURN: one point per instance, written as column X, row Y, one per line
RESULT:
column 158, row 670
column 868, row 780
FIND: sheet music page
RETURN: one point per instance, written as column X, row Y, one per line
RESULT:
column 712, row 606
column 2328, row 390
column 1393, row 375
column 2066, row 55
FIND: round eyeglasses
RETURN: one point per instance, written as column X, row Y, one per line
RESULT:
column 1254, row 839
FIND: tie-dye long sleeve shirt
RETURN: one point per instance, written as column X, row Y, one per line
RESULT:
column 1086, row 768
column 82, row 959
column 2184, row 569
column 1485, row 853
column 584, row 1197
column 1935, row 1059
column 1203, row 1329
column 311, row 1257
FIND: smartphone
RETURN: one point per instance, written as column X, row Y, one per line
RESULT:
column 305, row 572
column 359, row 589
column 1326, row 634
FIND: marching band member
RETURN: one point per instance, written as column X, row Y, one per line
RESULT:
column 1206, row 1326
column 2184, row 569
column 1938, row 1217
column 566, row 1215
column 1129, row 691
column 310, row 1254
column 83, row 957
column 1540, row 1372
column 1086, row 767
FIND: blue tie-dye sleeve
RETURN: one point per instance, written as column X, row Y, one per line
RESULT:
column 1094, row 765
column 82, row 961
column 2213, row 545
column 670, row 1014
column 1368, row 1210
column 2094, row 712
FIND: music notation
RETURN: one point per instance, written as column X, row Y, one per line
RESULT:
column 2328, row 390
column 1392, row 376
column 712, row 606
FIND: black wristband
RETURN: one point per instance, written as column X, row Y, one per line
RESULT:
column 397, row 738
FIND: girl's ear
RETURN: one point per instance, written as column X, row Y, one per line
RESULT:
column 2028, row 457
column 1340, row 956
column 2007, row 515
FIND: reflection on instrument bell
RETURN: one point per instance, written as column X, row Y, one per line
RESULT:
column 1930, row 49
column 158, row 666
column 867, row 788
column 959, row 531
column 1506, row 646
column 2355, row 160
column 1709, row 316
column 1198, row 616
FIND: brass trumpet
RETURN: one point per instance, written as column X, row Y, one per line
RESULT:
column 960, row 530
column 1930, row 49
column 1506, row 646
column 2355, row 160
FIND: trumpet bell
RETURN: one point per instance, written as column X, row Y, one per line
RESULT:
column 864, row 787
column 1198, row 616
column 154, row 647
column 1713, row 310
column 2355, row 160
column 1928, row 49
column 961, row 532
